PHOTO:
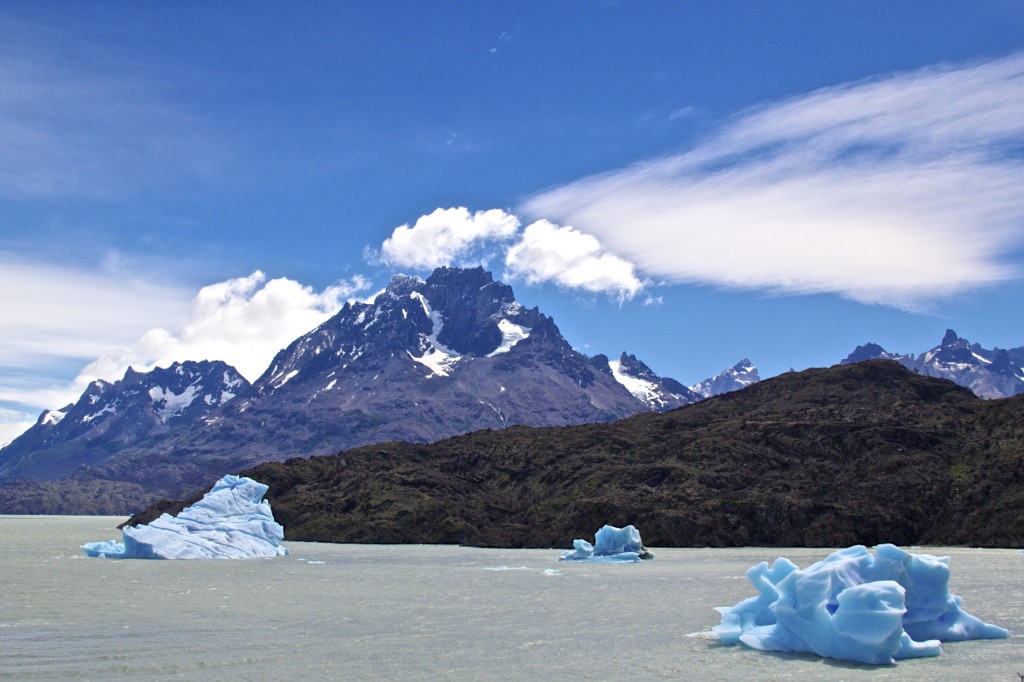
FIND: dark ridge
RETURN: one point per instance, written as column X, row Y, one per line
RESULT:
column 864, row 453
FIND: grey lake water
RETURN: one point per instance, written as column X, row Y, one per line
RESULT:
column 420, row 612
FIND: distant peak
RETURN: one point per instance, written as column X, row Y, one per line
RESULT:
column 868, row 351
column 950, row 338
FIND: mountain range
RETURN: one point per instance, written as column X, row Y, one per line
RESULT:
column 995, row 373
column 426, row 359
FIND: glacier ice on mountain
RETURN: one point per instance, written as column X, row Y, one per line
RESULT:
column 611, row 545
column 232, row 521
column 853, row 606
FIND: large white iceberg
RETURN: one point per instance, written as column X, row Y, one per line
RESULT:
column 232, row 521
column 853, row 606
column 611, row 545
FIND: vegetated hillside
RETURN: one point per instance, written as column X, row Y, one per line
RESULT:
column 862, row 453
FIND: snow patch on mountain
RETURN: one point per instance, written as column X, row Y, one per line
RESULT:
column 286, row 378
column 53, row 417
column 438, row 359
column 511, row 334
column 641, row 389
column 169, row 404
column 106, row 409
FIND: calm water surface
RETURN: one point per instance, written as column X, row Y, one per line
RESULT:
column 399, row 612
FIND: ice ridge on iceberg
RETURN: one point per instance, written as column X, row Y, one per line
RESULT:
column 611, row 545
column 232, row 521
column 853, row 606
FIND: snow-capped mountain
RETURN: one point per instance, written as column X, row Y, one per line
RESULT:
column 426, row 359
column 740, row 375
column 995, row 373
column 658, row 393
column 109, row 416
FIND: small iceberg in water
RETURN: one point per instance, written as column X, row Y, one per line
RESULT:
column 853, row 606
column 611, row 545
column 232, row 521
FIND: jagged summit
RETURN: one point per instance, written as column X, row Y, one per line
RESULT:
column 658, row 393
column 737, row 377
column 435, row 322
column 995, row 373
column 869, row 351
column 110, row 415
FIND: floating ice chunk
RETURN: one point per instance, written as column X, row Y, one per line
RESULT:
column 853, row 606
column 611, row 545
column 105, row 549
column 232, row 521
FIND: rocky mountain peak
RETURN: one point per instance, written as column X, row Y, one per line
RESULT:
column 739, row 376
column 869, row 351
column 134, row 408
column 630, row 365
column 658, row 393
column 401, row 286
column 994, row 373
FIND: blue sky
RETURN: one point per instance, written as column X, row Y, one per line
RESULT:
column 691, row 182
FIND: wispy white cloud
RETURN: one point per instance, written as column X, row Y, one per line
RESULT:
column 68, row 128
column 897, row 191
column 52, row 313
column 12, row 424
column 571, row 259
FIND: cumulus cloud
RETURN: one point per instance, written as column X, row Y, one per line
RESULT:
column 543, row 252
column 896, row 191
column 561, row 254
column 446, row 237
column 244, row 321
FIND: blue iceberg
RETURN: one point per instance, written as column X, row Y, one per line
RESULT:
column 232, row 521
column 611, row 545
column 853, row 606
